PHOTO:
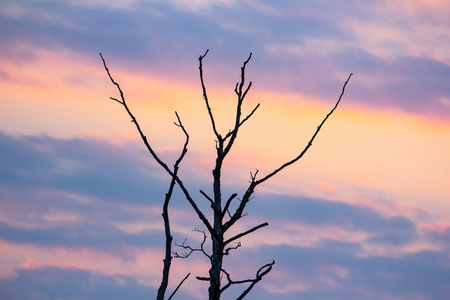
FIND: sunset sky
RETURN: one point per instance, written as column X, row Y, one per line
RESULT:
column 364, row 215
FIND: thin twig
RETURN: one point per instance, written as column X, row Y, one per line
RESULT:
column 227, row 250
column 178, row 286
column 241, row 97
column 191, row 250
column 205, row 96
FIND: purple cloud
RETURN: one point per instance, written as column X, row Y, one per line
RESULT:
column 52, row 189
column 163, row 39
column 71, row 283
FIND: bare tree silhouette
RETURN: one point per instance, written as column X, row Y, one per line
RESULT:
column 223, row 219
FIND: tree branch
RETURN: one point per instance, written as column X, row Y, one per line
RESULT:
column 210, row 200
column 241, row 97
column 227, row 205
column 168, row 250
column 245, row 199
column 253, row 183
column 191, row 250
column 227, row 250
column 155, row 156
column 203, row 278
column 205, row 97
column 310, row 141
column 133, row 119
column 242, row 122
column 245, row 233
column 259, row 275
column 178, row 286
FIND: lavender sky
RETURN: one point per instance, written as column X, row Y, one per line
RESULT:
column 364, row 215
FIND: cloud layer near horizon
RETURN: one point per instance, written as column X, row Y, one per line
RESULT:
column 365, row 215
column 321, row 247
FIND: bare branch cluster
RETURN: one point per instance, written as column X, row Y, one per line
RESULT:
column 190, row 249
column 217, row 227
column 259, row 276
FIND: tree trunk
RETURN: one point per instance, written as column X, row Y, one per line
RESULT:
column 217, row 242
column 214, row 272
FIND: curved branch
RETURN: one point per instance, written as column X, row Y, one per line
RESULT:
column 259, row 276
column 227, row 250
column 254, row 182
column 155, row 156
column 310, row 141
column 133, row 120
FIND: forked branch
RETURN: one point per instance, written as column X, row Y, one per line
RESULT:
column 254, row 182
column 155, row 156
column 242, row 122
column 190, row 250
column 264, row 270
column 241, row 96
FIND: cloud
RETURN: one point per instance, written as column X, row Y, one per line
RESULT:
column 52, row 169
column 87, row 167
column 380, row 229
column 321, row 247
column 440, row 234
column 413, row 84
column 71, row 283
column 83, row 235
column 300, row 48
column 334, row 272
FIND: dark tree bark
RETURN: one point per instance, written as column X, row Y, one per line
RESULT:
column 222, row 218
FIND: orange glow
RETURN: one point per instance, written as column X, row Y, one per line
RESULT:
column 385, row 151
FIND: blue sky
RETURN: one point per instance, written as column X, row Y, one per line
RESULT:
column 365, row 215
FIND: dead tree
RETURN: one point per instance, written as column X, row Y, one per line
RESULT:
column 223, row 219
